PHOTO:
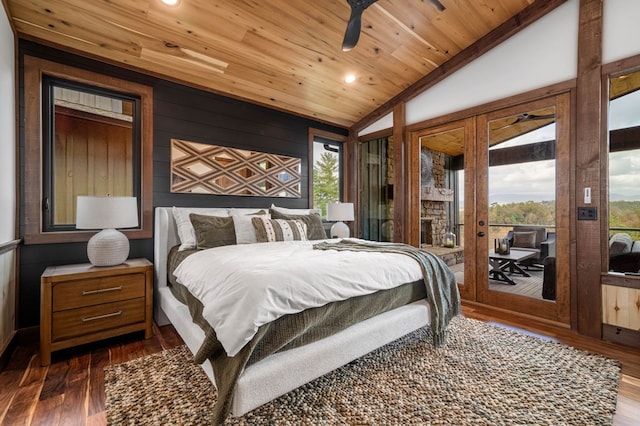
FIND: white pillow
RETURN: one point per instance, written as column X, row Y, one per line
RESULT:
column 185, row 228
column 245, row 232
column 285, row 210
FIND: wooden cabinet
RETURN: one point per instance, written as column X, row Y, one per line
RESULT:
column 84, row 303
column 621, row 309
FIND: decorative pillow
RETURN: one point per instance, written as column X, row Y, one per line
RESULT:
column 185, row 228
column 296, row 211
column 269, row 230
column 524, row 239
column 245, row 232
column 619, row 243
column 315, row 230
column 213, row 231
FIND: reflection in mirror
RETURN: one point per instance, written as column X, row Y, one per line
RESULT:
column 624, row 172
column 376, row 189
column 442, row 197
column 522, row 200
column 92, row 148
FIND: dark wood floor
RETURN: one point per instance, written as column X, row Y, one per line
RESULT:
column 71, row 390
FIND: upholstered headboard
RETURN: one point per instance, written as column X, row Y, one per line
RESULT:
column 165, row 236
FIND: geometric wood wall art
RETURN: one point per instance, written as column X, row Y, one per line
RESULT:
column 212, row 169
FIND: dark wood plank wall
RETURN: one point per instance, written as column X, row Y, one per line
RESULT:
column 178, row 112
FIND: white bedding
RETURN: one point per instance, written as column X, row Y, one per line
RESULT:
column 284, row 278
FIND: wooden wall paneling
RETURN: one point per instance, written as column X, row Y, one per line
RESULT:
column 82, row 145
column 588, row 173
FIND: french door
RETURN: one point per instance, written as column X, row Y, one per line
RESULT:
column 486, row 175
column 522, row 200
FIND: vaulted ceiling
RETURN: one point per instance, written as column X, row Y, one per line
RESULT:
column 284, row 54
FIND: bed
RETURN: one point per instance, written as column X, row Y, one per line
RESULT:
column 287, row 369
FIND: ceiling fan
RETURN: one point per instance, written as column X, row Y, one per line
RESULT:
column 352, row 33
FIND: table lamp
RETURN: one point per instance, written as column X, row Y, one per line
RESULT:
column 339, row 212
column 109, row 246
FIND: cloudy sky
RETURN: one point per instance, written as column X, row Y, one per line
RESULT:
column 535, row 181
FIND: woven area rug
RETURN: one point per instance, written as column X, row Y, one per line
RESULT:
column 483, row 375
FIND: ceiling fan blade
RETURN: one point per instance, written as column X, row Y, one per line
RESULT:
column 352, row 33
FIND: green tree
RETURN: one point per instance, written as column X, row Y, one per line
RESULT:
column 325, row 182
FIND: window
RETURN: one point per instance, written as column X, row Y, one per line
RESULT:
column 91, row 146
column 327, row 159
column 94, row 138
column 624, row 163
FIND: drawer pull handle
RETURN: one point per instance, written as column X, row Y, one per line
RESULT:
column 101, row 290
column 113, row 314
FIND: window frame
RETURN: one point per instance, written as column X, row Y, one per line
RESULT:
column 335, row 139
column 35, row 70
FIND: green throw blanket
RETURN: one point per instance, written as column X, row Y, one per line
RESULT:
column 439, row 280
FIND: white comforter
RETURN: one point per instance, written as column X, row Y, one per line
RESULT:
column 245, row 286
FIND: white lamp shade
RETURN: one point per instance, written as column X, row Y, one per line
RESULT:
column 339, row 211
column 106, row 212
column 109, row 246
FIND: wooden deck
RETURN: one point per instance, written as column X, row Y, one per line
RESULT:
column 525, row 286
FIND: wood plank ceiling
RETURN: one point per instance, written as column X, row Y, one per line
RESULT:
column 284, row 54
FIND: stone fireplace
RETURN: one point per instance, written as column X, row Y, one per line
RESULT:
column 434, row 199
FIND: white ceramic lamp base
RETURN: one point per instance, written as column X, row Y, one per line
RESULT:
column 107, row 248
column 339, row 230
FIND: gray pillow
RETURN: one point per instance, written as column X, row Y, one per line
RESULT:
column 620, row 243
column 315, row 230
column 524, row 239
column 212, row 231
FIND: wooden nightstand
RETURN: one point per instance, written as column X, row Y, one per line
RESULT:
column 84, row 303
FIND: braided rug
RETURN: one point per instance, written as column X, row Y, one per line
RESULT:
column 482, row 375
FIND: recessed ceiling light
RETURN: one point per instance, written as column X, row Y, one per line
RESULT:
column 350, row 78
column 170, row 2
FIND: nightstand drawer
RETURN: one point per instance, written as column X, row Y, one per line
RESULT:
column 95, row 291
column 98, row 318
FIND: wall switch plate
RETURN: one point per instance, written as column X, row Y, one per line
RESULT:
column 587, row 195
column 587, row 213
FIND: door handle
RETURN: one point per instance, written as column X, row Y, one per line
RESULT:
column 480, row 234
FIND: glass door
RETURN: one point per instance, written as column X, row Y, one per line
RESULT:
column 522, row 208
column 442, row 197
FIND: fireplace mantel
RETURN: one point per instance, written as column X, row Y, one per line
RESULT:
column 430, row 193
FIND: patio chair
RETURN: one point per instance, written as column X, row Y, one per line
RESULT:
column 533, row 238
